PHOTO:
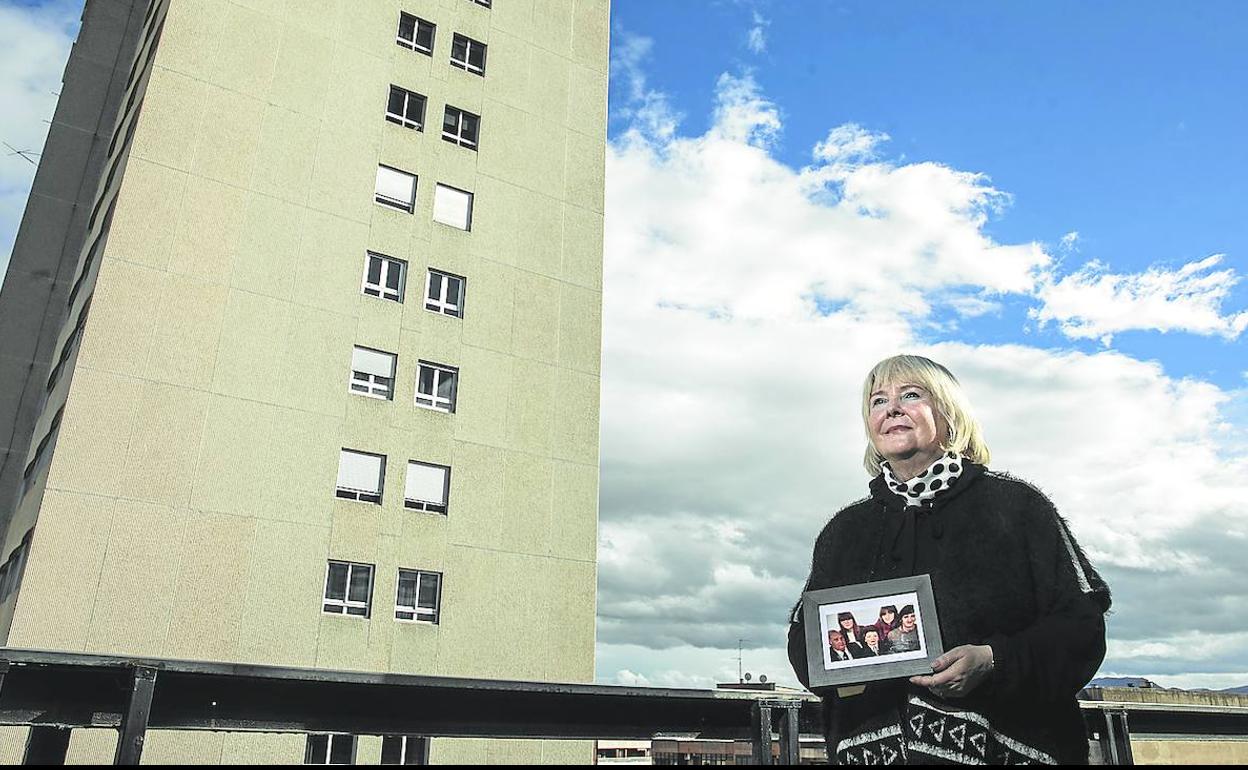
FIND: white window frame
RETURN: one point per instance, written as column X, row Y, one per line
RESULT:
column 440, row 304
column 346, row 603
column 401, row 118
column 467, row 223
column 418, row 614
column 362, row 495
column 430, row 506
column 371, row 384
column 466, row 62
column 457, row 136
column 408, row 744
column 382, row 289
column 433, row 400
column 389, row 202
column 412, row 44
column 331, row 740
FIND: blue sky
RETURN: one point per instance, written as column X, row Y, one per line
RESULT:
column 1045, row 197
column 1121, row 123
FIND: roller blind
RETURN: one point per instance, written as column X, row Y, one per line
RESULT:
column 396, row 185
column 452, row 207
column 426, row 483
column 372, row 362
column 359, row 471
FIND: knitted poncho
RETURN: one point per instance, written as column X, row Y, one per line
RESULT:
column 1005, row 572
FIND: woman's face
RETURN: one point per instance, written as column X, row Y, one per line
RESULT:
column 887, row 616
column 847, row 623
column 903, row 422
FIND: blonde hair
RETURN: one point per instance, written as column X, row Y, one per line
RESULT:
column 965, row 436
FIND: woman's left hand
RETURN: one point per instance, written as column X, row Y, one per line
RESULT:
column 958, row 671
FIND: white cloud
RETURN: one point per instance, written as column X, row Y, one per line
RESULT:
column 743, row 301
column 756, row 38
column 647, row 110
column 1093, row 303
column 34, row 44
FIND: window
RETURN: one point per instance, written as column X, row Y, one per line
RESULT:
column 348, row 588
column 41, row 452
column 452, row 207
column 435, row 386
column 372, row 372
column 383, row 276
column 486, row 3
column 68, row 347
column 360, row 475
column 404, row 750
column 92, row 253
column 331, row 749
column 420, row 594
column 407, row 108
column 468, row 54
column 427, row 487
column 415, row 33
column 459, row 127
column 14, row 567
column 396, row 189
column 445, row 294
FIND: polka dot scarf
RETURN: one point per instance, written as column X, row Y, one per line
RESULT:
column 923, row 488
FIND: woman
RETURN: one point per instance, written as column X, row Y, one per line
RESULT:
column 850, row 628
column 1021, row 610
column 886, row 623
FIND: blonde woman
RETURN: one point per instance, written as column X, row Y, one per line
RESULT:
column 1021, row 609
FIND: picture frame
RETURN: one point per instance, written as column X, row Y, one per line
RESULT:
column 857, row 657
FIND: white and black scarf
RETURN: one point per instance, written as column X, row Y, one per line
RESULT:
column 923, row 488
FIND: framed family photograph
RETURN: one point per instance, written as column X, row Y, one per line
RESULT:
column 870, row 631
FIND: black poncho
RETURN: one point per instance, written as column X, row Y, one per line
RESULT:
column 1005, row 572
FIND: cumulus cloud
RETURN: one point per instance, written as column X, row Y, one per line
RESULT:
column 1093, row 303
column 34, row 44
column 743, row 301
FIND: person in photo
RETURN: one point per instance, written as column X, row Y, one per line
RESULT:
column 850, row 628
column 870, row 646
column 905, row 637
column 886, row 623
column 1021, row 608
column 837, row 649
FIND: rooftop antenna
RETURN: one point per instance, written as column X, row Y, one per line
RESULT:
column 740, row 676
column 27, row 155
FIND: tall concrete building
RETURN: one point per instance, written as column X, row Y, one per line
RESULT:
column 299, row 350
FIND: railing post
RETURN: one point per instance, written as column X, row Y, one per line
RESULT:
column 133, row 728
column 790, row 724
column 46, row 745
column 1121, row 736
column 1116, row 738
column 760, row 729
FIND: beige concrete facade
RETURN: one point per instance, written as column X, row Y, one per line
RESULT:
column 188, row 509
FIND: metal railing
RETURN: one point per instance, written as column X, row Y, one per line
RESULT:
column 54, row 692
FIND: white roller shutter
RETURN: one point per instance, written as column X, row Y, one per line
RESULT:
column 396, row 185
column 372, row 362
column 426, row 483
column 452, row 207
column 359, row 471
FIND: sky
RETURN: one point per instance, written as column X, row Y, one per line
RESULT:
column 1046, row 199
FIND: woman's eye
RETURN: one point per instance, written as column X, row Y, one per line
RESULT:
column 912, row 394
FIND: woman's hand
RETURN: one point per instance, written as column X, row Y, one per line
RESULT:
column 958, row 671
